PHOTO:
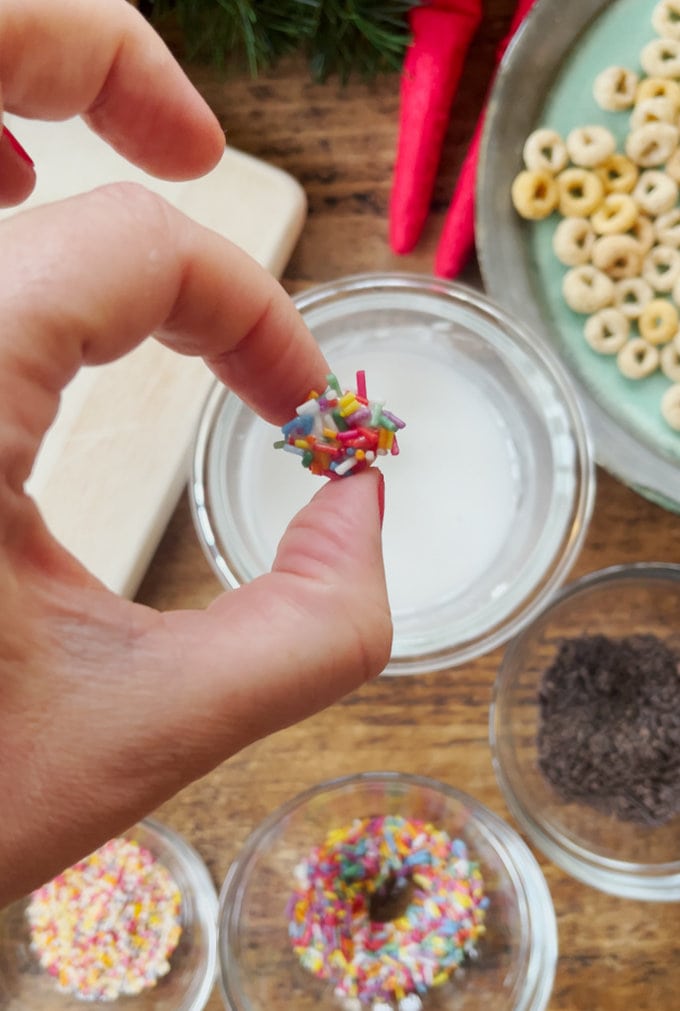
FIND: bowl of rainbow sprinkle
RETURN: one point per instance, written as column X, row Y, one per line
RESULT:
column 131, row 925
column 385, row 892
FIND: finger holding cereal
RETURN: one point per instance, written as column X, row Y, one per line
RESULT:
column 545, row 151
column 586, row 289
column 589, row 146
column 573, row 241
column 580, row 192
column 534, row 194
column 606, row 331
column 615, row 88
column 637, row 359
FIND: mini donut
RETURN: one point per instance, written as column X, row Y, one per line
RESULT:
column 658, row 321
column 617, row 256
column 653, row 110
column 658, row 87
column 534, row 194
column 667, row 228
column 655, row 192
column 669, row 359
column 631, row 295
column 661, row 268
column 580, row 192
column 661, row 58
column 652, row 144
column 670, row 406
column 637, row 359
column 589, row 146
column 545, row 151
column 375, row 888
column 606, row 331
column 587, row 289
column 573, row 240
column 666, row 19
column 618, row 212
column 618, row 174
column 615, row 88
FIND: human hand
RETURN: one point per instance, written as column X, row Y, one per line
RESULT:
column 108, row 707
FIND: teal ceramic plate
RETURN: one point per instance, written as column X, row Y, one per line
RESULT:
column 546, row 79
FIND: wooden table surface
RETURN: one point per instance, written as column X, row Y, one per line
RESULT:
column 340, row 143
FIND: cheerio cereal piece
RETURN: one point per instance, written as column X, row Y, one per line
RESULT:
column 652, row 144
column 666, row 19
column 617, row 213
column 631, row 295
column 618, row 174
column 669, row 358
column 573, row 241
column 655, row 192
column 670, row 406
column 661, row 268
column 653, row 110
column 587, row 289
column 643, row 233
column 658, row 87
column 545, row 151
column 589, row 146
column 637, row 359
column 615, row 88
column 606, row 331
column 667, row 228
column 617, row 256
column 661, row 58
column 580, row 192
column 672, row 166
column 658, row 321
column 534, row 194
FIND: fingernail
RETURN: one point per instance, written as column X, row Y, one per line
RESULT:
column 14, row 143
column 381, row 497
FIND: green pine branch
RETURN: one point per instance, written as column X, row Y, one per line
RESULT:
column 338, row 37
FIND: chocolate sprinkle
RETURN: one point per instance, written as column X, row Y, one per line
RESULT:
column 609, row 726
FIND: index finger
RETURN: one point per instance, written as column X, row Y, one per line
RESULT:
column 102, row 60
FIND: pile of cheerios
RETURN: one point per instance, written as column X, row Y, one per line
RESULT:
column 619, row 233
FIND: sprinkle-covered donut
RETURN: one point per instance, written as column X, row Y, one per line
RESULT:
column 384, row 909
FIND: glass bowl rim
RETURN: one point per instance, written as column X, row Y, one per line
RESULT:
column 625, row 879
column 535, row 898
column 543, row 358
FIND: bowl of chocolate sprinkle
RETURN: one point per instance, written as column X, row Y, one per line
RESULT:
column 585, row 730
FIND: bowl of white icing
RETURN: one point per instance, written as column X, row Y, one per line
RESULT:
column 489, row 499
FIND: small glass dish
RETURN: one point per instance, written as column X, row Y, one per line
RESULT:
column 259, row 970
column 490, row 498
column 623, row 857
column 25, row 986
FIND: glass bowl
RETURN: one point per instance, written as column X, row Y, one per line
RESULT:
column 626, row 858
column 25, row 986
column 489, row 500
column 516, row 959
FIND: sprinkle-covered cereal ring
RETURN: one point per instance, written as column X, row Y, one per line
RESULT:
column 661, row 58
column 643, row 233
column 617, row 213
column 631, row 295
column 637, row 359
column 580, row 192
column 666, row 19
column 586, row 289
column 606, row 331
column 661, row 268
column 534, row 194
column 573, row 241
column 652, row 145
column 658, row 87
column 618, row 174
column 589, row 146
column 655, row 192
column 617, row 256
column 670, row 360
column 670, row 406
column 615, row 88
column 653, row 110
column 658, row 321
column 667, row 228
column 545, row 151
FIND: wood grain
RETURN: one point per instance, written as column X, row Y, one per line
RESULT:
column 340, row 144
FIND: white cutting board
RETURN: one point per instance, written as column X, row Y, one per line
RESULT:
column 114, row 463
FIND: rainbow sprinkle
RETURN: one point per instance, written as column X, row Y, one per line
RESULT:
column 107, row 926
column 386, row 964
column 339, row 433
